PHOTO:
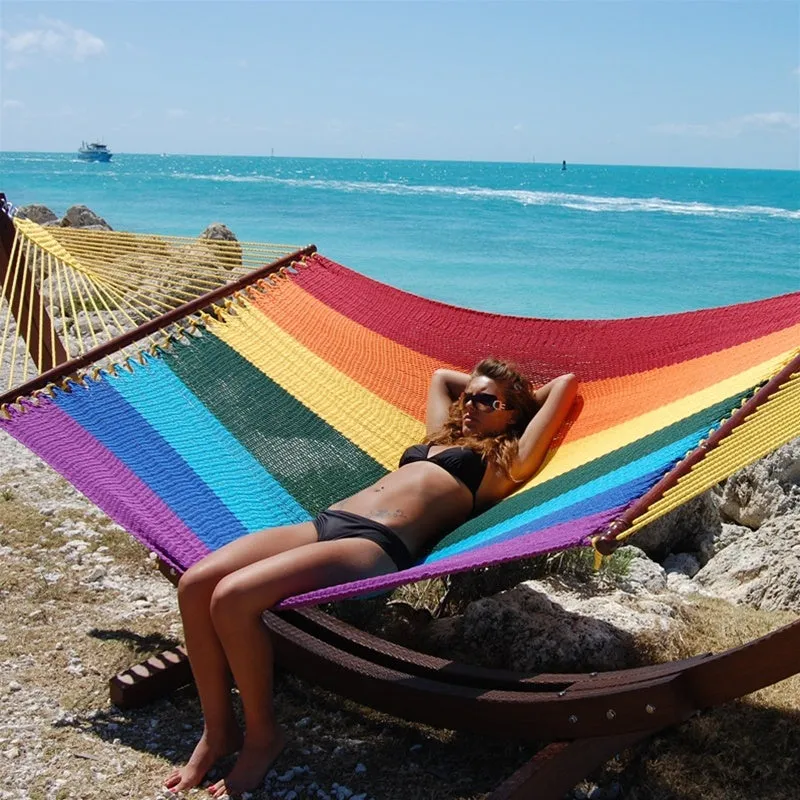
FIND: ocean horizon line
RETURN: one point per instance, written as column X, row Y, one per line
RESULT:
column 394, row 159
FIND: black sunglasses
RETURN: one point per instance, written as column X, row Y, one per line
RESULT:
column 484, row 401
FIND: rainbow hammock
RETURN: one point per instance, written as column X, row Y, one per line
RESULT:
column 306, row 386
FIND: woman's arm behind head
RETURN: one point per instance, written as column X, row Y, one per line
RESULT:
column 446, row 387
column 554, row 400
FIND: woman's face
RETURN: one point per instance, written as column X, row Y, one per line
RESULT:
column 484, row 412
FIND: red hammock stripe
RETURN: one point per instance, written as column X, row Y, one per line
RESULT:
column 602, row 348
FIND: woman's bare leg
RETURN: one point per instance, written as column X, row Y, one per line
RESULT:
column 221, row 735
column 236, row 608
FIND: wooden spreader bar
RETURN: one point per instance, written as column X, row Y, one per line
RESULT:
column 155, row 677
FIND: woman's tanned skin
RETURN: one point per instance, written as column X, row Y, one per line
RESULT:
column 222, row 597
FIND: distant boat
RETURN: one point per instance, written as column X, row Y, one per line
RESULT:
column 563, row 166
column 94, row 151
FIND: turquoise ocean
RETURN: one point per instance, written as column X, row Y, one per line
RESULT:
column 527, row 238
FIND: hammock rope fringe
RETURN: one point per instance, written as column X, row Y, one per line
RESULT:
column 285, row 389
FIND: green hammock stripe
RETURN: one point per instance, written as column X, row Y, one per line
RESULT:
column 309, row 458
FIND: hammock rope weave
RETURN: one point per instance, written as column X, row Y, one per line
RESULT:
column 307, row 387
column 94, row 285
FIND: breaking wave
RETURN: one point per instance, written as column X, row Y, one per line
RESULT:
column 525, row 197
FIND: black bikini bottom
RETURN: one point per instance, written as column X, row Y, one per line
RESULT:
column 332, row 525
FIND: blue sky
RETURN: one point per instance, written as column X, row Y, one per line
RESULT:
column 639, row 82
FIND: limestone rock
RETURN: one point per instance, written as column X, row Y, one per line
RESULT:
column 222, row 242
column 87, row 330
column 173, row 274
column 39, row 214
column 67, row 290
column 711, row 544
column 194, row 269
column 683, row 563
column 217, row 230
column 642, row 574
column 541, row 626
column 763, row 490
column 83, row 217
column 544, row 626
column 682, row 529
column 761, row 569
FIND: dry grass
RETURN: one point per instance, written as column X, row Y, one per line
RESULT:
column 62, row 637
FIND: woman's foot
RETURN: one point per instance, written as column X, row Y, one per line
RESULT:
column 205, row 755
column 251, row 766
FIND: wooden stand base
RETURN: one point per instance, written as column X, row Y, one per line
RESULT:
column 150, row 680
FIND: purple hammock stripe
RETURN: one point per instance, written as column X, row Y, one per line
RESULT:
column 60, row 441
column 549, row 540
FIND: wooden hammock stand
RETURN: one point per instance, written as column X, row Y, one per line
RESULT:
column 586, row 717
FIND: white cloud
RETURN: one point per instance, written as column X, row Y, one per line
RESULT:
column 175, row 113
column 776, row 121
column 518, row 127
column 772, row 119
column 13, row 104
column 55, row 40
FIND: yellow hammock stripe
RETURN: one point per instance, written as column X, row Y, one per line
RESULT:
column 374, row 425
column 770, row 426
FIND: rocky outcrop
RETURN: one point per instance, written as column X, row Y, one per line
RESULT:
column 159, row 277
column 222, row 243
column 76, row 217
column 83, row 217
column 179, row 272
column 761, row 568
column 550, row 625
column 764, row 490
column 218, row 231
column 739, row 542
column 641, row 574
column 39, row 214
column 682, row 529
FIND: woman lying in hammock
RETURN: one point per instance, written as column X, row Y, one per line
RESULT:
column 487, row 433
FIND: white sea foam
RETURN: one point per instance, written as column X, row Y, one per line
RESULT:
column 525, row 197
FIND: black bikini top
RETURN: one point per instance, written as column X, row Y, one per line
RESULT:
column 461, row 462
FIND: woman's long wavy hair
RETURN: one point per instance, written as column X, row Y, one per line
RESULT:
column 498, row 450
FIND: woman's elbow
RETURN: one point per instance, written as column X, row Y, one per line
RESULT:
column 570, row 381
column 569, row 389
